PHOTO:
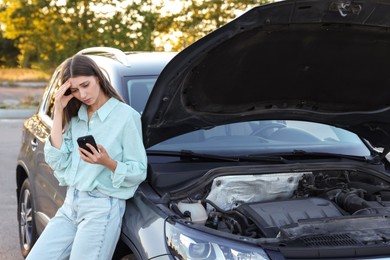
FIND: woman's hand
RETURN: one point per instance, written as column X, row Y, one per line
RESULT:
column 60, row 99
column 98, row 157
column 60, row 102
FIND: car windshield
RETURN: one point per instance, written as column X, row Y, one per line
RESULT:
column 252, row 137
column 267, row 137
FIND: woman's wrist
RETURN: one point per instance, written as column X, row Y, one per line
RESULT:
column 112, row 164
column 58, row 111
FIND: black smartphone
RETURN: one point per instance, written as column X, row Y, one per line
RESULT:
column 83, row 140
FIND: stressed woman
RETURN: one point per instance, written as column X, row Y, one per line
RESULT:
column 98, row 181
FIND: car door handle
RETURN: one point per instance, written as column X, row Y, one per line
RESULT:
column 34, row 144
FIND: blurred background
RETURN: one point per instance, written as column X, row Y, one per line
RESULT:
column 37, row 35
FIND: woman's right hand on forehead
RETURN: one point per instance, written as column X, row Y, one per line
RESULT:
column 61, row 100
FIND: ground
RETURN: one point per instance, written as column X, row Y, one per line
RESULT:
column 20, row 97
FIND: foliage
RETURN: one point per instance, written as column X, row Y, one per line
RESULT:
column 48, row 31
column 8, row 52
column 199, row 17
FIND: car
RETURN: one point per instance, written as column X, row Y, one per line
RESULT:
column 267, row 139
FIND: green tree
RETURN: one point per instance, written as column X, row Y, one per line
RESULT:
column 47, row 32
column 141, row 18
column 199, row 17
column 8, row 52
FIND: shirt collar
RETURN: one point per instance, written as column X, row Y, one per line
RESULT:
column 102, row 112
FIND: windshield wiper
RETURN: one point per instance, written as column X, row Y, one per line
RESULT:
column 289, row 157
column 331, row 155
column 188, row 154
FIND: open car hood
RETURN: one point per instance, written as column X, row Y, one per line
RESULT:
column 321, row 61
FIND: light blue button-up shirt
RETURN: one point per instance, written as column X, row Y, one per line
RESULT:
column 117, row 127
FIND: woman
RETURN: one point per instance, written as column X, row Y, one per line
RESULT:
column 88, row 224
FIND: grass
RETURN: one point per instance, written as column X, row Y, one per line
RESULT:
column 17, row 74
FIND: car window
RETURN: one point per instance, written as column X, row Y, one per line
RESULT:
column 266, row 137
column 47, row 105
column 138, row 90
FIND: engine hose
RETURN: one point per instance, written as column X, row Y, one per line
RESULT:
column 232, row 224
column 351, row 201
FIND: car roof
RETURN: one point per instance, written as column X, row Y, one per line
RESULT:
column 138, row 63
column 117, row 63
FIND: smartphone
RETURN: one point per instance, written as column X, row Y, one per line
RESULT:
column 83, row 140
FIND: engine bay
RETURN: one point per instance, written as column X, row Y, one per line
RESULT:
column 308, row 208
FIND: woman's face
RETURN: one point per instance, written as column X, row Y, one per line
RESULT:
column 86, row 89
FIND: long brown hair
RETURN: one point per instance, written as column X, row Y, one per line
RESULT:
column 80, row 65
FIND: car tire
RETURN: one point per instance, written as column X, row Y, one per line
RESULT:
column 27, row 229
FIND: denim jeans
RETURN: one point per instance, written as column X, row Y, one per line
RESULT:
column 87, row 226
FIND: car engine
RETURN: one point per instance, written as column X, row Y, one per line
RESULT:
column 313, row 208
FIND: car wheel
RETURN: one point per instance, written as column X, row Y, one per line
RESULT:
column 27, row 230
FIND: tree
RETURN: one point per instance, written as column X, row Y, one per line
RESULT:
column 141, row 18
column 199, row 17
column 8, row 52
column 46, row 31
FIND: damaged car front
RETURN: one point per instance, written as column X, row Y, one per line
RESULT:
column 267, row 139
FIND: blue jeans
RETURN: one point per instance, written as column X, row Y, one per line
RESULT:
column 87, row 226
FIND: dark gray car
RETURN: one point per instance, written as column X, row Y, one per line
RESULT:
column 267, row 139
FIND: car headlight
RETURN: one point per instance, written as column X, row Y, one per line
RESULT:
column 187, row 243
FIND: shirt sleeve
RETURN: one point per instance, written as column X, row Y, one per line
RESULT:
column 59, row 159
column 132, row 170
